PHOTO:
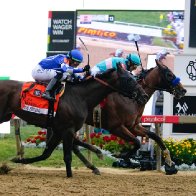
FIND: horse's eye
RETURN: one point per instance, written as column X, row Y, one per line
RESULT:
column 169, row 76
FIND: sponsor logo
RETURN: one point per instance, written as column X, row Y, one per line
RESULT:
column 152, row 119
column 32, row 109
column 191, row 70
column 181, row 108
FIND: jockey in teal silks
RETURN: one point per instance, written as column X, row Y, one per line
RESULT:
column 130, row 63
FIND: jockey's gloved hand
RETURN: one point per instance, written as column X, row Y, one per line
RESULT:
column 64, row 68
column 86, row 68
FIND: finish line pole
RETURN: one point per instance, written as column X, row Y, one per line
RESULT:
column 158, row 150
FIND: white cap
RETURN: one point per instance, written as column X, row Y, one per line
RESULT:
column 119, row 52
column 162, row 54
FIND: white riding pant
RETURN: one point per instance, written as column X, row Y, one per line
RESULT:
column 95, row 70
column 45, row 75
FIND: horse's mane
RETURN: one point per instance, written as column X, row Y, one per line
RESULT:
column 91, row 78
column 105, row 74
column 144, row 73
column 147, row 71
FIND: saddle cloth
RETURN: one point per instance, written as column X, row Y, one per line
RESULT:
column 32, row 101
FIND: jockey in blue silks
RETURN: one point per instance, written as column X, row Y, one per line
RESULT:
column 57, row 68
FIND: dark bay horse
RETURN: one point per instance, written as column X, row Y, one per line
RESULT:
column 74, row 106
column 122, row 116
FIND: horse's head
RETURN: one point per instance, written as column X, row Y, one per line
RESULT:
column 169, row 82
column 130, row 87
column 123, row 82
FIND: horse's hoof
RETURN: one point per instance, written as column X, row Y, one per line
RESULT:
column 16, row 160
column 96, row 172
column 170, row 170
column 4, row 169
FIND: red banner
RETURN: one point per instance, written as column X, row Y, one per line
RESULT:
column 160, row 119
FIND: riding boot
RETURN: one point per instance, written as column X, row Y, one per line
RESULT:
column 51, row 87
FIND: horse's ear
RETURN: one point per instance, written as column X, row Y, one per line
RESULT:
column 158, row 63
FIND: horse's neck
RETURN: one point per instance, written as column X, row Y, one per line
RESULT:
column 151, row 82
column 93, row 93
column 149, row 91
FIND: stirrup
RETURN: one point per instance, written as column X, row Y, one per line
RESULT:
column 46, row 95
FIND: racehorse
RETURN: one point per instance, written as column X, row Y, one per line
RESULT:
column 74, row 105
column 122, row 116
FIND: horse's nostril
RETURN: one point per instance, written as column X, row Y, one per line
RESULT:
column 134, row 95
column 146, row 97
column 184, row 91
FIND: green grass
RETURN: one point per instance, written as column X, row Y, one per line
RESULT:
column 161, row 42
column 139, row 17
column 8, row 151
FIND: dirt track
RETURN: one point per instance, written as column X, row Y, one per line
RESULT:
column 28, row 180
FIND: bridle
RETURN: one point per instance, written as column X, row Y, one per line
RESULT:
column 171, row 89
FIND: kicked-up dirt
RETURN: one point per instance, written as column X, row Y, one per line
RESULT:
column 28, row 180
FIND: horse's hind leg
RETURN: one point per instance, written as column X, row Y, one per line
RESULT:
column 89, row 147
column 169, row 164
column 51, row 145
column 84, row 160
column 5, row 112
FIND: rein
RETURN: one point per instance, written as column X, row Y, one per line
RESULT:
column 108, row 85
column 155, row 88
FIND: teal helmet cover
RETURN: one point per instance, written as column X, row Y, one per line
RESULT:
column 134, row 58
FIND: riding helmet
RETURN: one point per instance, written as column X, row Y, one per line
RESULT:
column 75, row 55
column 119, row 52
column 134, row 58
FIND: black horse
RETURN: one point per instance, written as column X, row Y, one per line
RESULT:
column 74, row 106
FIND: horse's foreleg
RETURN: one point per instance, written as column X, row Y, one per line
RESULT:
column 68, row 137
column 125, row 134
column 51, row 145
column 84, row 160
column 170, row 165
column 89, row 147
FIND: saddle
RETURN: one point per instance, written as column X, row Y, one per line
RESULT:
column 32, row 101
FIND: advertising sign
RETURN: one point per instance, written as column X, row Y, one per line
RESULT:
column 184, row 106
column 61, row 30
column 185, row 68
